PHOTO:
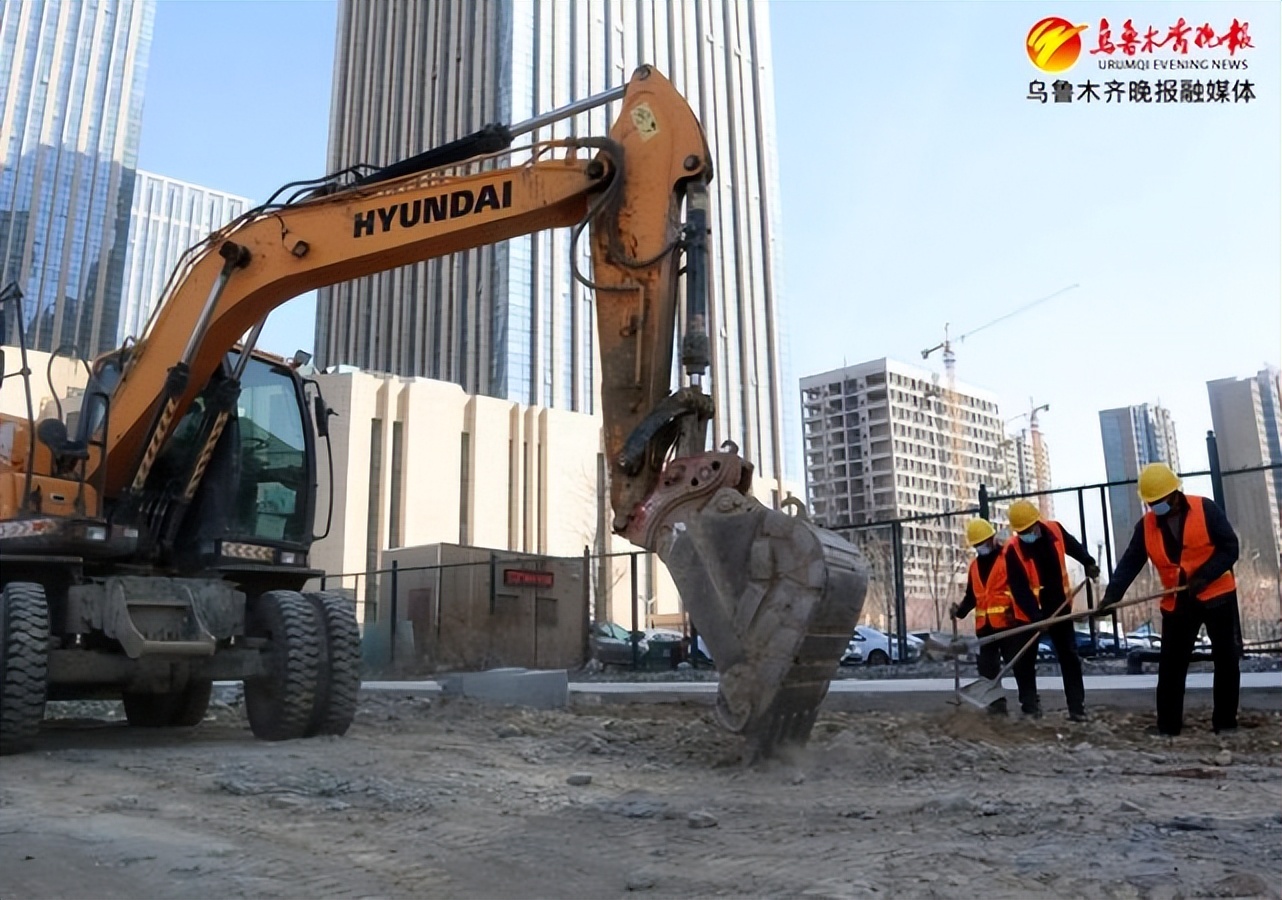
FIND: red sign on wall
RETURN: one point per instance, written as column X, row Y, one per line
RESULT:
column 527, row 578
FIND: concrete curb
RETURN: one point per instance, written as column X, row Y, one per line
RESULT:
column 1259, row 690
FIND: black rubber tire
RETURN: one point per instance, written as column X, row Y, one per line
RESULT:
column 182, row 709
column 24, row 664
column 878, row 658
column 340, row 671
column 279, row 704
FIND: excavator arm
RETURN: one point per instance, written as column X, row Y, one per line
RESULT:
column 775, row 598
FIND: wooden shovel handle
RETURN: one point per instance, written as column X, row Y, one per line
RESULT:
column 1071, row 617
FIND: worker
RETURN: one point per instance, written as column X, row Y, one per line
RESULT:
column 1192, row 545
column 1035, row 563
column 988, row 594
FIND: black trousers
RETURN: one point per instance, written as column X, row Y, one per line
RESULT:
column 1070, row 665
column 993, row 656
column 1179, row 633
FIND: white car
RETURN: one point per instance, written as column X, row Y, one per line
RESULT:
column 876, row 648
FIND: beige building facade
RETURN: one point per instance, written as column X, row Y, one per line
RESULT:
column 61, row 381
column 420, row 462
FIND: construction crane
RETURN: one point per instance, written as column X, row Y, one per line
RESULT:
column 960, row 487
column 1041, row 475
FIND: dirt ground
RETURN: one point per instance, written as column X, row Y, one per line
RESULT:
column 447, row 798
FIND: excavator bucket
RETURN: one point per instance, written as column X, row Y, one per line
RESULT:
column 774, row 597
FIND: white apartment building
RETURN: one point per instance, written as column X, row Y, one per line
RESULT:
column 884, row 442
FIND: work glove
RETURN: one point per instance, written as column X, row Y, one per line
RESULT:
column 1092, row 571
column 953, row 609
column 1196, row 585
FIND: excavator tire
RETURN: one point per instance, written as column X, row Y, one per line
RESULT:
column 280, row 704
column 24, row 664
column 339, row 682
column 776, row 626
column 183, row 709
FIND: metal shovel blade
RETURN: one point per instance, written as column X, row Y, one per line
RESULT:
column 982, row 692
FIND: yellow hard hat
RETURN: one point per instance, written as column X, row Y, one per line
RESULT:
column 1023, row 515
column 1156, row 481
column 978, row 531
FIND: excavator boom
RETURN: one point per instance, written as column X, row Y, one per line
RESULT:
column 775, row 598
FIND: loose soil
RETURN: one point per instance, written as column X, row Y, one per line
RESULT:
column 445, row 797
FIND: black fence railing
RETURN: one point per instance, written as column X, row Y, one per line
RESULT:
column 474, row 613
column 919, row 562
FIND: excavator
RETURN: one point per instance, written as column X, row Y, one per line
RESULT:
column 160, row 542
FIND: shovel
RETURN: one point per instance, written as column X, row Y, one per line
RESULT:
column 983, row 691
column 956, row 669
column 964, row 645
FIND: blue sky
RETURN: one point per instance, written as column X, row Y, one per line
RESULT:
column 919, row 187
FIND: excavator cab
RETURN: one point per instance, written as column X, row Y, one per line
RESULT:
column 257, row 500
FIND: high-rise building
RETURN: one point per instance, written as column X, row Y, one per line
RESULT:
column 1270, row 381
column 509, row 320
column 169, row 217
column 1026, row 458
column 880, row 446
column 1240, row 411
column 71, row 82
column 1133, row 437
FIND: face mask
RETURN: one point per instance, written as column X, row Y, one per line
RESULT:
column 1028, row 537
column 1161, row 509
column 984, row 549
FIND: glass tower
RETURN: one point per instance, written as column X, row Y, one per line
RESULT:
column 71, row 83
column 510, row 320
column 169, row 217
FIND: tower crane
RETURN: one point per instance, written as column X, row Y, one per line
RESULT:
column 1041, row 475
column 960, row 487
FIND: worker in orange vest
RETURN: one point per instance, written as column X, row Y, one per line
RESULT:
column 1192, row 545
column 988, row 594
column 1036, row 557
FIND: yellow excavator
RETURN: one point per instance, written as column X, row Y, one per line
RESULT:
column 161, row 542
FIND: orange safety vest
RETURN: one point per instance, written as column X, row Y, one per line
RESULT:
column 1030, row 565
column 1196, row 550
column 993, row 601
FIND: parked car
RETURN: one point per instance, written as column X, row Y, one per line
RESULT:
column 1108, row 646
column 666, row 646
column 876, row 648
column 612, row 644
column 854, row 655
column 1146, row 637
column 1086, row 647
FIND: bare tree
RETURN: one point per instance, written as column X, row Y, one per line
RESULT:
column 1259, row 597
column 881, row 574
column 944, row 562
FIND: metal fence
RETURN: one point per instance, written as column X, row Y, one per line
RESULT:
column 469, row 614
column 914, row 581
column 918, row 566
